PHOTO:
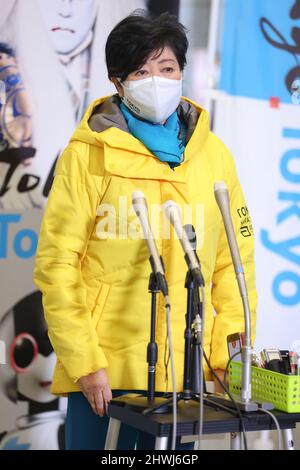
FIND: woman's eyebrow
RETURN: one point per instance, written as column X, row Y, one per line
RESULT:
column 165, row 60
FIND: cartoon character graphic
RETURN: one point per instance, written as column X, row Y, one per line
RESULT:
column 71, row 28
column 27, row 377
column 15, row 114
column 56, row 52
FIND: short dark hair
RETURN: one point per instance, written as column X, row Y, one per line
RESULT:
column 133, row 40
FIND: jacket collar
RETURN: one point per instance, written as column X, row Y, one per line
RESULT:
column 126, row 156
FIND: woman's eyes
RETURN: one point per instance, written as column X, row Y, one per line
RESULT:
column 140, row 73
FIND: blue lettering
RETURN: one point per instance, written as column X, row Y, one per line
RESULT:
column 5, row 220
column 282, row 248
column 291, row 133
column 19, row 250
column 286, row 276
column 285, row 248
column 286, row 173
column 290, row 211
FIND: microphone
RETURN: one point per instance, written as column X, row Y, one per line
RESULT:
column 141, row 209
column 172, row 213
column 222, row 199
column 191, row 234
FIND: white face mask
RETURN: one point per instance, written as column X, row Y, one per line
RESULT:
column 154, row 98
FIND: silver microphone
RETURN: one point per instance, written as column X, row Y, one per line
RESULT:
column 222, row 198
column 141, row 209
column 172, row 212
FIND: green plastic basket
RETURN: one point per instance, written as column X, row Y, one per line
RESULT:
column 280, row 389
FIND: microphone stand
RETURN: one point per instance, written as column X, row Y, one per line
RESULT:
column 156, row 284
column 156, row 403
column 193, row 368
column 192, row 364
column 152, row 345
column 244, row 401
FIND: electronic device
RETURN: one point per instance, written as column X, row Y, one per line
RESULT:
column 272, row 353
column 234, row 344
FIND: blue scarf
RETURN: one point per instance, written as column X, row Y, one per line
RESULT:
column 162, row 140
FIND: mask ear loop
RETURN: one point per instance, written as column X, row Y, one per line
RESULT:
column 120, row 82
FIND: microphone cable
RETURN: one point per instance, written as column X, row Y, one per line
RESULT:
column 261, row 409
column 201, row 382
column 231, row 398
column 200, row 433
column 141, row 209
column 171, row 352
column 276, row 424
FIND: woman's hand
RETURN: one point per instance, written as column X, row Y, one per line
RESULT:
column 96, row 389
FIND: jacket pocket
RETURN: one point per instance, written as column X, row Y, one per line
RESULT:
column 100, row 303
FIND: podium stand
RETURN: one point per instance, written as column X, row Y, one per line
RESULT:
column 215, row 421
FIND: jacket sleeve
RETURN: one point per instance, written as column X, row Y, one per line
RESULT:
column 226, row 297
column 66, row 227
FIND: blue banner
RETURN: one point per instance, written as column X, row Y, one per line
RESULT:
column 260, row 122
column 261, row 49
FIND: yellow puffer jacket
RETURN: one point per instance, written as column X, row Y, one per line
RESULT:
column 94, row 278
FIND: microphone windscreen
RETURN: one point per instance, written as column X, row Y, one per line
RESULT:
column 139, row 201
column 137, row 195
column 220, row 186
column 170, row 208
column 191, row 234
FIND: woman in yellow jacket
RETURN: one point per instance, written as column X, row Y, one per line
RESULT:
column 92, row 264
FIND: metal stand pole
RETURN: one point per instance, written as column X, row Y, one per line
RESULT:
column 193, row 367
column 112, row 434
column 152, row 346
column 235, row 441
column 188, row 336
column 192, row 363
column 161, row 443
column 288, row 439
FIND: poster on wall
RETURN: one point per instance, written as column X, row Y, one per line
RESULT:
column 52, row 66
column 31, row 417
column 258, row 117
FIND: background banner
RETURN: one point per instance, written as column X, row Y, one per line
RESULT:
column 52, row 66
column 258, row 117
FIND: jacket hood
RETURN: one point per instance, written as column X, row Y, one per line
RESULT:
column 104, row 123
